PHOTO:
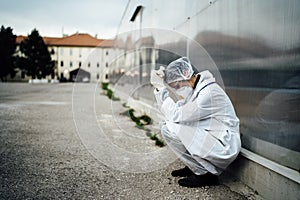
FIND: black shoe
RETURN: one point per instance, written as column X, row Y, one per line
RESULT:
column 182, row 172
column 199, row 180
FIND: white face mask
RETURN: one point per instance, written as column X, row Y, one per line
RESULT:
column 184, row 92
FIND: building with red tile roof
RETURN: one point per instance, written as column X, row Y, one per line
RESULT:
column 79, row 50
column 75, row 40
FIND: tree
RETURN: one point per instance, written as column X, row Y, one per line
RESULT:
column 37, row 61
column 7, row 51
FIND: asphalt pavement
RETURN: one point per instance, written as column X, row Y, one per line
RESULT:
column 69, row 141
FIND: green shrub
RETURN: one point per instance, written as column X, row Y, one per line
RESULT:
column 105, row 86
column 110, row 93
column 153, row 137
column 141, row 122
column 159, row 143
column 146, row 119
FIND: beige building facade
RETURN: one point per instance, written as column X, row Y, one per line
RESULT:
column 78, row 52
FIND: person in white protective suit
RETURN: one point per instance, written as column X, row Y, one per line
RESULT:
column 202, row 127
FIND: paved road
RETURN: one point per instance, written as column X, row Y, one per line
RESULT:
column 47, row 152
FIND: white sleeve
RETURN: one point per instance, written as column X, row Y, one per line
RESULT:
column 160, row 96
column 193, row 110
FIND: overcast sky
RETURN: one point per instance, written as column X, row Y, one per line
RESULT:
column 54, row 17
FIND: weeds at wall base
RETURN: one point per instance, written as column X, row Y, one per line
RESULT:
column 108, row 92
column 141, row 122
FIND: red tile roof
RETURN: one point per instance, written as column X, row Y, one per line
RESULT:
column 50, row 40
column 20, row 38
column 106, row 43
column 75, row 40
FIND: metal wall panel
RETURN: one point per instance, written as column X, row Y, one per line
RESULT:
column 252, row 47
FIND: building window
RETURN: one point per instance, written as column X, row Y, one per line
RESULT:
column 98, row 65
column 61, row 63
column 71, row 52
column 106, row 76
column 107, row 53
column 80, row 51
column 61, row 51
column 71, row 64
column 79, row 64
column 106, row 64
column 89, row 64
column 97, row 76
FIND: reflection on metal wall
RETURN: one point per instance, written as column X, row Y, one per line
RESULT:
column 252, row 47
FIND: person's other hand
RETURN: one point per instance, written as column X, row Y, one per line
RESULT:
column 161, row 71
column 156, row 79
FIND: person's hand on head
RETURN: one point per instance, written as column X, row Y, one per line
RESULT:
column 161, row 71
column 157, row 78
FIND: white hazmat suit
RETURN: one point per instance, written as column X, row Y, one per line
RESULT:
column 202, row 129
